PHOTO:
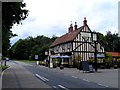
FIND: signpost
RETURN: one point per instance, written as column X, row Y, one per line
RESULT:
column 36, row 58
column 86, row 36
column 85, row 64
column 29, row 57
column 95, row 53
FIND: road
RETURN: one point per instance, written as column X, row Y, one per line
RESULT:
column 34, row 76
column 16, row 76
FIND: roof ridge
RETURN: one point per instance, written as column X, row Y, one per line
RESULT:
column 67, row 37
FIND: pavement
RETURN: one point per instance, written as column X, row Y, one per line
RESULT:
column 16, row 76
column 106, row 77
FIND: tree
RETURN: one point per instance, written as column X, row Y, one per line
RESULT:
column 12, row 13
column 30, row 47
column 102, row 39
column 53, row 38
column 112, row 42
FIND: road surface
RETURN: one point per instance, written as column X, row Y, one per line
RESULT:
column 17, row 76
column 34, row 76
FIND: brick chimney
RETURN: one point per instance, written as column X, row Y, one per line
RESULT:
column 85, row 22
column 75, row 26
column 70, row 29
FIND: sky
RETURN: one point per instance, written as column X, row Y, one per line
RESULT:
column 53, row 17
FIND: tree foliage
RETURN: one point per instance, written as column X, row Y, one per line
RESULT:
column 113, row 42
column 102, row 39
column 12, row 13
column 110, row 42
column 30, row 46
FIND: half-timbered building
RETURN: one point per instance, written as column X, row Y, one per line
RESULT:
column 78, row 43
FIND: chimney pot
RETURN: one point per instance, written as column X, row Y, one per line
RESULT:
column 70, row 29
column 84, row 22
column 75, row 26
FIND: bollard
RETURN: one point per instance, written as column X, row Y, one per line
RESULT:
column 61, row 67
column 5, row 62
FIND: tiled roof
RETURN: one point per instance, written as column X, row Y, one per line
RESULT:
column 67, row 37
column 114, row 54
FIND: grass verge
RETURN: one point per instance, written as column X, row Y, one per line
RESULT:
column 2, row 67
column 26, row 60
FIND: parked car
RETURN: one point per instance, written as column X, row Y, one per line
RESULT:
column 42, row 63
column 7, row 59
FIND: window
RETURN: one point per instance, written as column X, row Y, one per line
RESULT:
column 63, row 47
column 69, row 45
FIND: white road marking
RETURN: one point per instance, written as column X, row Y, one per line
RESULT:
column 74, row 77
column 86, row 80
column 41, row 77
column 45, row 78
column 103, row 85
column 54, row 87
column 63, row 87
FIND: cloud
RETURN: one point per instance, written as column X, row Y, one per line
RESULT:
column 52, row 17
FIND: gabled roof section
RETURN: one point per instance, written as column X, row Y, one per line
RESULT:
column 67, row 37
column 70, row 36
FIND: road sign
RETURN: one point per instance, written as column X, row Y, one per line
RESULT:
column 36, row 56
column 46, row 52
